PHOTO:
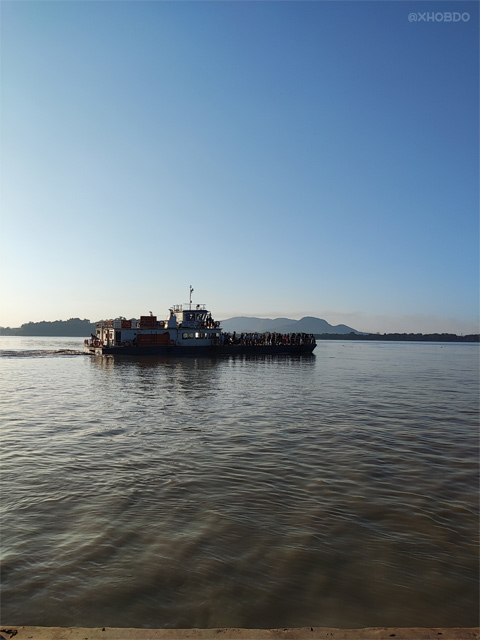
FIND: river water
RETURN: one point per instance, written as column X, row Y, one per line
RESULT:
column 339, row 489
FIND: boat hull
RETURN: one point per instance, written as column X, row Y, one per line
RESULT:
column 209, row 350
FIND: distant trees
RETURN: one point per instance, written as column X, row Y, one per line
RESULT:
column 75, row 327
column 407, row 337
column 72, row 327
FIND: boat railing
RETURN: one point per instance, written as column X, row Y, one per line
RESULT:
column 178, row 308
column 195, row 324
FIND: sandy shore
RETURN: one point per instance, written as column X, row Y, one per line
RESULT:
column 311, row 633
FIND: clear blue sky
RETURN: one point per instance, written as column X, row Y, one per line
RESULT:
column 283, row 158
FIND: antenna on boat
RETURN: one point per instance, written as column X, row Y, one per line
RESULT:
column 191, row 291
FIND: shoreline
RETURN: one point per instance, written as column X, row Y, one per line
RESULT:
column 7, row 632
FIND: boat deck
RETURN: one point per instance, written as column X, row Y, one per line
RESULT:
column 302, row 633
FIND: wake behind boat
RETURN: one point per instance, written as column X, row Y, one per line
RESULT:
column 188, row 331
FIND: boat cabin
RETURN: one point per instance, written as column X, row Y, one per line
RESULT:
column 194, row 323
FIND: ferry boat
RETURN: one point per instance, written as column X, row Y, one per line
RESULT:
column 189, row 330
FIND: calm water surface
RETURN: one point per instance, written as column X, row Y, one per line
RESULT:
column 333, row 490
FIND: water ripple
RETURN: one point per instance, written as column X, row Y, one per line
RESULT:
column 340, row 490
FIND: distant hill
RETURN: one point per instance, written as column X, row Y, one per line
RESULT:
column 320, row 328
column 242, row 324
column 76, row 327
column 73, row 327
column 308, row 324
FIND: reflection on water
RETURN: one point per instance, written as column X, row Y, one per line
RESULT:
column 338, row 489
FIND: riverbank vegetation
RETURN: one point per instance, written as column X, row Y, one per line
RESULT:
column 73, row 327
column 83, row 328
column 400, row 337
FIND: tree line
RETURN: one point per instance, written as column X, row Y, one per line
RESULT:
column 407, row 337
column 73, row 327
column 76, row 327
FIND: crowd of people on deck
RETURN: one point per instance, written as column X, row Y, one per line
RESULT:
column 268, row 339
column 209, row 323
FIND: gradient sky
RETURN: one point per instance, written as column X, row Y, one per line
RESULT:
column 283, row 158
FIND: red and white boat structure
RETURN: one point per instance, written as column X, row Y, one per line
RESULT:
column 189, row 330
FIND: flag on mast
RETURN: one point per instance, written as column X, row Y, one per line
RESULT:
column 191, row 291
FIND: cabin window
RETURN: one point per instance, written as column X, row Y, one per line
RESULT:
column 188, row 336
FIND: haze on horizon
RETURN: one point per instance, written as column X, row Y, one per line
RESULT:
column 287, row 159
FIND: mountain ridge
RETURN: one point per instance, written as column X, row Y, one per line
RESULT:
column 307, row 324
column 240, row 324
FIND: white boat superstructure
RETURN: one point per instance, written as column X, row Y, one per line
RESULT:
column 184, row 327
